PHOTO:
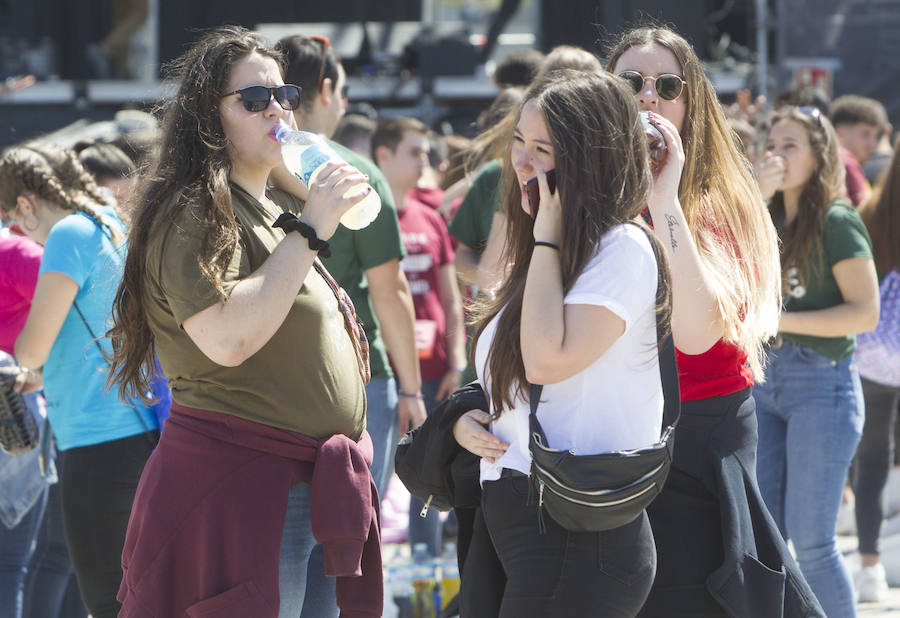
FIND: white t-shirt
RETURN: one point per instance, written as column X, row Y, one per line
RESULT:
column 616, row 402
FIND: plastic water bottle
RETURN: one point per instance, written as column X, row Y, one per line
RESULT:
column 305, row 153
column 449, row 574
column 422, row 596
column 400, row 578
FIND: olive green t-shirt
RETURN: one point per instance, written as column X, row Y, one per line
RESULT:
column 304, row 379
column 355, row 251
column 471, row 225
column 844, row 237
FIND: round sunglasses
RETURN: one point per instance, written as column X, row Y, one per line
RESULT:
column 256, row 98
column 668, row 85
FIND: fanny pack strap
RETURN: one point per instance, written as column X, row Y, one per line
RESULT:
column 668, row 371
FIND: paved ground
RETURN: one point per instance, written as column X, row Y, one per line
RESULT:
column 888, row 607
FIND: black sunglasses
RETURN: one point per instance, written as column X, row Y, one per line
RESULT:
column 256, row 98
column 668, row 85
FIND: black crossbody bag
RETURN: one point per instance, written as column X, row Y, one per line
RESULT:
column 590, row 493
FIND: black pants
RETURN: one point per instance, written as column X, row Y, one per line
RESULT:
column 874, row 457
column 97, row 487
column 687, row 517
column 559, row 573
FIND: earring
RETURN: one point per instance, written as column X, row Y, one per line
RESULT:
column 37, row 223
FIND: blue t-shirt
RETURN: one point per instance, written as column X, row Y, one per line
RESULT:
column 80, row 409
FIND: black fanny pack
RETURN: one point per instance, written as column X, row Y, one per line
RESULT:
column 589, row 493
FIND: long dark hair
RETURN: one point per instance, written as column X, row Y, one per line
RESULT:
column 881, row 214
column 192, row 170
column 802, row 238
column 603, row 180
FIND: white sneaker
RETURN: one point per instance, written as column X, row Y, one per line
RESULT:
column 871, row 584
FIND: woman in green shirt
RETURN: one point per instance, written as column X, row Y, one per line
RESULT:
column 810, row 408
column 263, row 351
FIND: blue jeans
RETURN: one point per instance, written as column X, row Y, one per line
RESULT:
column 16, row 549
column 810, row 413
column 426, row 529
column 381, row 423
column 306, row 592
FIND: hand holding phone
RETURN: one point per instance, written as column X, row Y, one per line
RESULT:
column 534, row 191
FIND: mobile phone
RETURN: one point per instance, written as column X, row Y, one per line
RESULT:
column 534, row 191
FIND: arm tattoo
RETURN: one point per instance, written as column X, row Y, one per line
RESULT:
column 672, row 223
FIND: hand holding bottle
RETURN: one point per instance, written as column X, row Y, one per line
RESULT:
column 306, row 155
column 337, row 189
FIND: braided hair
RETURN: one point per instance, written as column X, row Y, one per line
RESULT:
column 53, row 174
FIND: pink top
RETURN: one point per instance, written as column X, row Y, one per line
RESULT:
column 20, row 258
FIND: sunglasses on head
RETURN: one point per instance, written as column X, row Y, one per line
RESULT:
column 256, row 98
column 812, row 112
column 668, row 85
column 325, row 43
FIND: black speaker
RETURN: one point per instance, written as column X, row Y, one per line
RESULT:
column 595, row 24
column 433, row 54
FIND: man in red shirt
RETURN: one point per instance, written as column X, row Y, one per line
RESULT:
column 400, row 149
column 859, row 123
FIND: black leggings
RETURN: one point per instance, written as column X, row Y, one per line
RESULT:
column 874, row 457
column 97, row 487
column 559, row 573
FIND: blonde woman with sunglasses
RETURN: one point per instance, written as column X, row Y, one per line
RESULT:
column 811, row 405
column 261, row 347
column 719, row 553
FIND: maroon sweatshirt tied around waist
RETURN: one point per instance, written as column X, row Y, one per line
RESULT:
column 205, row 532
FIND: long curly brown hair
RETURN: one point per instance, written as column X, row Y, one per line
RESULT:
column 802, row 238
column 192, row 170
column 603, row 180
column 54, row 174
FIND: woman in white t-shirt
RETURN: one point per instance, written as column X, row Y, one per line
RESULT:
column 577, row 314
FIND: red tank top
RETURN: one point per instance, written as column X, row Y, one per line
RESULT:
column 721, row 370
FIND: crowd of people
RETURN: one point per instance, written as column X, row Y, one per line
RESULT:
column 224, row 397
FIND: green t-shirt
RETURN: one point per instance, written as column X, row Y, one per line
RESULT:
column 304, row 379
column 471, row 225
column 844, row 237
column 355, row 251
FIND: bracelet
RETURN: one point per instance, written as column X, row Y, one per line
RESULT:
column 29, row 374
column 418, row 396
column 544, row 243
column 290, row 223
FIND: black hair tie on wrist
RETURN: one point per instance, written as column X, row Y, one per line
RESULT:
column 290, row 223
